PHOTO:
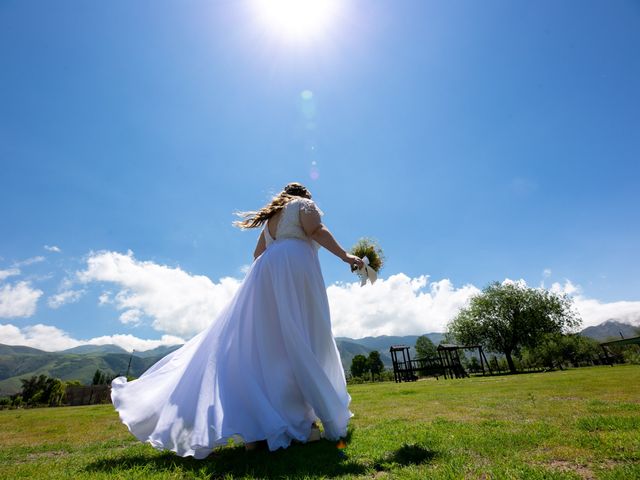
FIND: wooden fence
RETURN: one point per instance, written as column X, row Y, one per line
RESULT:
column 87, row 395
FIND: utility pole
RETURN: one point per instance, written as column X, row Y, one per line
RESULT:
column 129, row 367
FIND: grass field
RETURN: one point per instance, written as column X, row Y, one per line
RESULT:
column 582, row 423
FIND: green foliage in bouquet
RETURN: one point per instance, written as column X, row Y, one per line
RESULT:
column 369, row 248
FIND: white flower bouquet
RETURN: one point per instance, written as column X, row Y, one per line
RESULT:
column 371, row 254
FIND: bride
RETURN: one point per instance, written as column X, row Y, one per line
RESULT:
column 267, row 368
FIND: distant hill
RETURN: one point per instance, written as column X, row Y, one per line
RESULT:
column 349, row 349
column 19, row 349
column 83, row 349
column 80, row 363
column 16, row 364
column 610, row 330
column 383, row 342
column 157, row 352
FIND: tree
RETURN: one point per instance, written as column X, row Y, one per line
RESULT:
column 359, row 366
column 42, row 390
column 101, row 378
column 506, row 317
column 54, row 392
column 32, row 388
column 425, row 347
column 98, row 378
column 374, row 364
column 474, row 365
column 555, row 349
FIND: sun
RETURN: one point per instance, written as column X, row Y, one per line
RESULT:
column 297, row 19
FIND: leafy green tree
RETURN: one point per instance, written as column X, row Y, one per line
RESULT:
column 54, row 392
column 506, row 317
column 98, row 378
column 549, row 351
column 374, row 364
column 359, row 366
column 580, row 350
column 101, row 378
column 425, row 347
column 554, row 350
column 31, row 387
column 474, row 365
column 42, row 389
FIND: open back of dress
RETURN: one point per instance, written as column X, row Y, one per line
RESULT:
column 266, row 367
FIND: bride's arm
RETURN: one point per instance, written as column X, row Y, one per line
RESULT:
column 315, row 230
column 261, row 246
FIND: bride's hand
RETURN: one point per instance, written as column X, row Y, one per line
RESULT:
column 352, row 260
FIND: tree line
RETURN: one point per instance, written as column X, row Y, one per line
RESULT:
column 521, row 328
column 44, row 391
column 362, row 366
column 527, row 326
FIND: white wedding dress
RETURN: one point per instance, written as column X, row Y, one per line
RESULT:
column 266, row 367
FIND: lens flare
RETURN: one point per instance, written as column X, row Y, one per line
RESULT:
column 307, row 105
column 314, row 173
column 297, row 18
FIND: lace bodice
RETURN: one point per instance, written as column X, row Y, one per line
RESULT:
column 289, row 225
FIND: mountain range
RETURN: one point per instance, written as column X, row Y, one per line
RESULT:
column 80, row 363
column 611, row 330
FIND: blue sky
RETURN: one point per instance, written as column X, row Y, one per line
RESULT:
column 477, row 141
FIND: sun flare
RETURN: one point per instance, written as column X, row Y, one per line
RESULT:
column 299, row 19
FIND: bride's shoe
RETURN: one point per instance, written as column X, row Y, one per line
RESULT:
column 253, row 446
column 315, row 434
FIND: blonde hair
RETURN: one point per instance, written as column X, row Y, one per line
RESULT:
column 257, row 219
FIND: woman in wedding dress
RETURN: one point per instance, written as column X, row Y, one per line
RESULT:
column 267, row 368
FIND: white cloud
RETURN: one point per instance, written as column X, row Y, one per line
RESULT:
column 546, row 273
column 44, row 337
column 105, row 298
column 568, row 288
column 518, row 283
column 130, row 343
column 62, row 298
column 132, row 316
column 18, row 300
column 398, row 305
column 51, row 339
column 594, row 312
column 178, row 303
column 181, row 304
column 52, row 248
column 29, row 261
column 9, row 273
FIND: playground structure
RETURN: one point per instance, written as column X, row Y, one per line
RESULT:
column 447, row 364
column 609, row 356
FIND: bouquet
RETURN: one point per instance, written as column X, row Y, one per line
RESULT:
column 371, row 254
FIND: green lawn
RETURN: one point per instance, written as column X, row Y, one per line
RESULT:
column 582, row 423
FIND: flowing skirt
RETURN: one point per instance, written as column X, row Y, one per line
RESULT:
column 266, row 368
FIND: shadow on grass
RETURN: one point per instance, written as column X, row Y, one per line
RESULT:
column 406, row 455
column 318, row 459
column 315, row 459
